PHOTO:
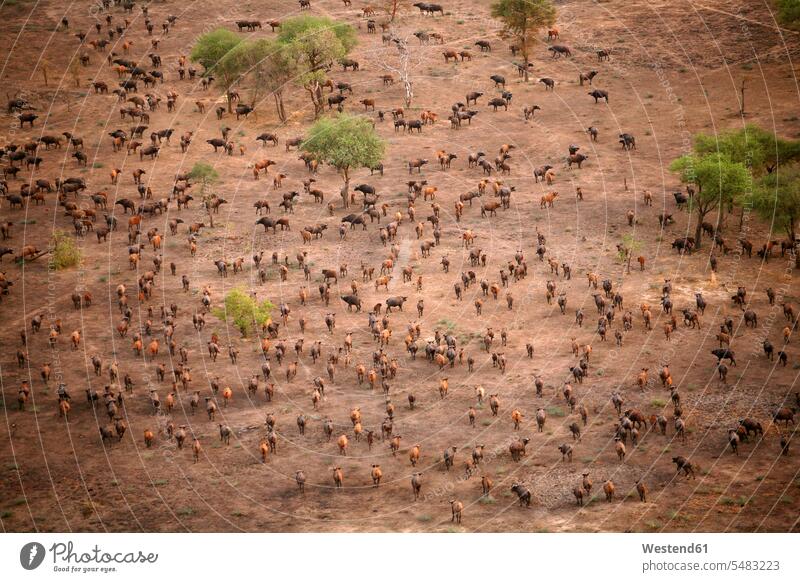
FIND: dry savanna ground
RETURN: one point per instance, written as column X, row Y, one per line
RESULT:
column 675, row 68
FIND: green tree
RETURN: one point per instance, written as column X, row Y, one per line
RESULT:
column 719, row 182
column 269, row 65
column 313, row 43
column 205, row 174
column 758, row 149
column 776, row 198
column 243, row 310
column 345, row 142
column 213, row 51
column 522, row 19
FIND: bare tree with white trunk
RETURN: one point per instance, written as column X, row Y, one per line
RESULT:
column 400, row 58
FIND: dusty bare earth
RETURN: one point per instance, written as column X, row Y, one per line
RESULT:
column 675, row 69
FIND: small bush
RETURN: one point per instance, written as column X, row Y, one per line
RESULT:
column 243, row 311
column 677, row 516
column 203, row 173
column 789, row 12
column 66, row 253
column 727, row 501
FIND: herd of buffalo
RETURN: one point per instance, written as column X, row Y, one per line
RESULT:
column 158, row 388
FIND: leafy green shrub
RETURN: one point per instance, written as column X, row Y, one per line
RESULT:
column 66, row 253
column 244, row 311
column 789, row 12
